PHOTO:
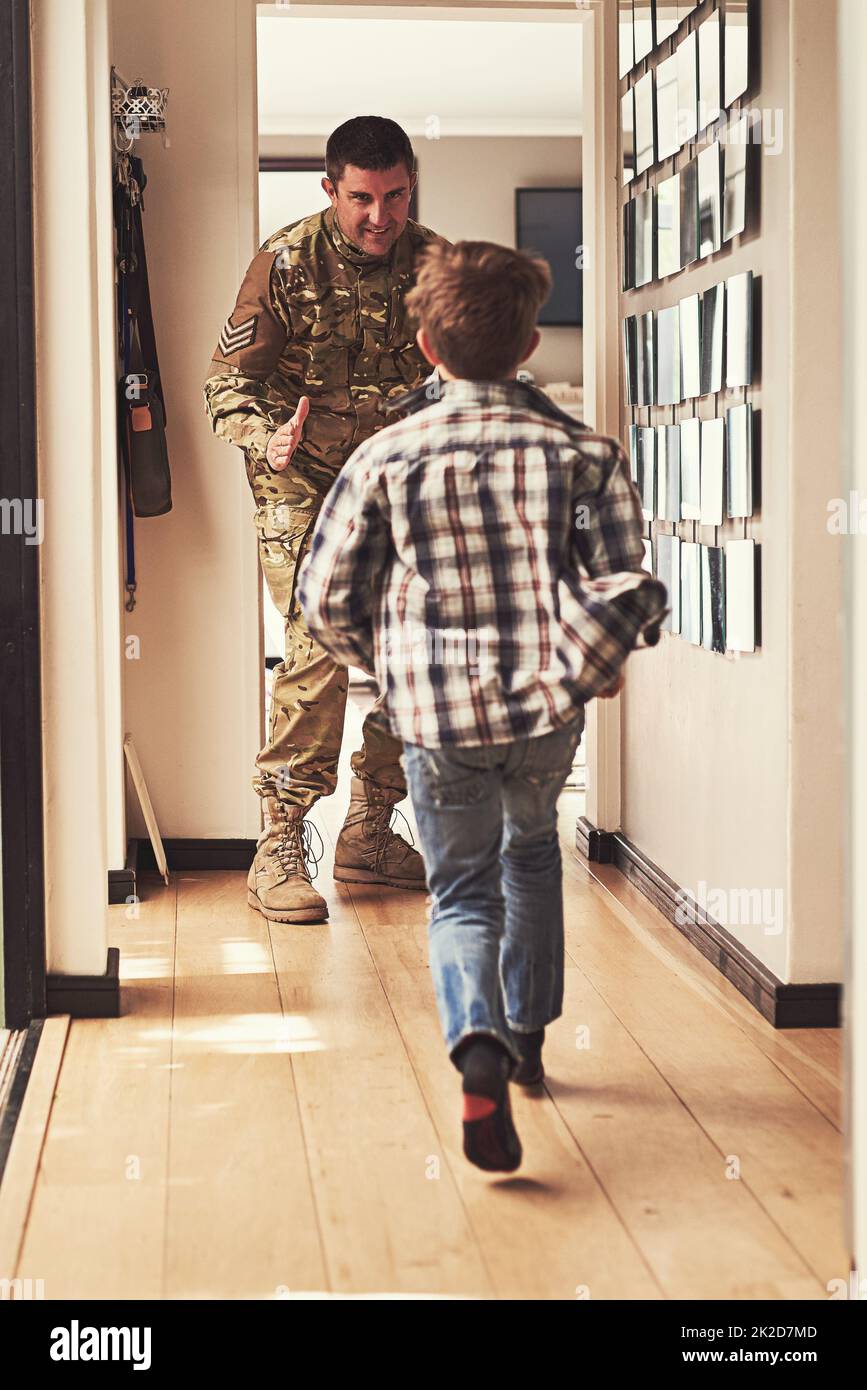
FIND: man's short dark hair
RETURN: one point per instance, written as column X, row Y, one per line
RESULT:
column 368, row 142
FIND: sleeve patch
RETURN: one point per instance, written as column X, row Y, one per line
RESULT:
column 236, row 337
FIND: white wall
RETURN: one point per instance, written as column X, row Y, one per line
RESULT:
column 732, row 767
column 76, row 440
column 193, row 698
column 467, row 192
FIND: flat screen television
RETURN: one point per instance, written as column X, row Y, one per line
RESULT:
column 548, row 221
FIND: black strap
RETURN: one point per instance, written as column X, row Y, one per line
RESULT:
column 143, row 355
column 124, row 341
column 130, row 180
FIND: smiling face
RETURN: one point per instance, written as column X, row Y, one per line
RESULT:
column 372, row 205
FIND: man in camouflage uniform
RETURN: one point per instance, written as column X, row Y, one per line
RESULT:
column 317, row 342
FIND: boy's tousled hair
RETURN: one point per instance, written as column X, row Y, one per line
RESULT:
column 368, row 142
column 478, row 303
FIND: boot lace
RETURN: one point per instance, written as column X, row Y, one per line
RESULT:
column 294, row 851
column 383, row 819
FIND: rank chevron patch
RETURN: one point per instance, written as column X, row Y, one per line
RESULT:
column 236, row 336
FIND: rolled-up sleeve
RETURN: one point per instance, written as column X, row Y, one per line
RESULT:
column 620, row 600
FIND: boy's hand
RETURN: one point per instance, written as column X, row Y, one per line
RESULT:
column 612, row 690
column 284, row 442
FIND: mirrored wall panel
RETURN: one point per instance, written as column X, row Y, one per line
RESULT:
column 739, row 329
column 627, row 134
column 668, row 570
column 643, row 19
column 668, row 472
column 739, row 460
column 667, row 121
column 647, row 359
column 713, row 598
column 644, row 141
column 690, row 592
column 709, row 200
column 690, row 470
column 699, row 472
column 668, row 227
column 628, row 248
column 633, row 452
column 689, row 213
column 735, row 179
column 644, row 238
column 625, row 48
column 667, row 19
column 646, row 480
column 709, row 60
column 712, row 342
column 740, row 587
column 630, row 359
column 737, row 45
column 712, row 472
column 668, row 390
column 690, row 346
column 687, row 88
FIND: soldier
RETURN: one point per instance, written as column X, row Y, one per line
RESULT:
column 319, row 339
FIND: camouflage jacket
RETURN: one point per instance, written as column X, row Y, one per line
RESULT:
column 315, row 316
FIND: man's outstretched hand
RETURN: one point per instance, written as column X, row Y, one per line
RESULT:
column 284, row 442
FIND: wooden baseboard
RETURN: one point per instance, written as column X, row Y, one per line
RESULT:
column 784, row 1006
column 180, row 854
column 121, row 882
column 87, row 996
column 199, row 854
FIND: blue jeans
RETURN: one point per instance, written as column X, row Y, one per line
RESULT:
column 487, row 818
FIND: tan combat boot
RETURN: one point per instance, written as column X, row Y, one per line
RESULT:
column 367, row 849
column 279, row 884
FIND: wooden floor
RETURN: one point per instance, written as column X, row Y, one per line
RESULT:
column 275, row 1115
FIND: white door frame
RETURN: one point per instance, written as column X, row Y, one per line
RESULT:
column 601, row 353
column 853, row 51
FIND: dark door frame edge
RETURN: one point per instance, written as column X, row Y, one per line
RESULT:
column 21, row 796
column 21, row 1069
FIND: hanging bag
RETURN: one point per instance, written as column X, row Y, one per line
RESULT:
column 141, row 406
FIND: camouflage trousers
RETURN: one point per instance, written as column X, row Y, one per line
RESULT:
column 308, row 695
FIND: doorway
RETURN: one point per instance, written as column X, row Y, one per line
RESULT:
column 491, row 101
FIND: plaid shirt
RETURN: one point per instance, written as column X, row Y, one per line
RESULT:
column 482, row 556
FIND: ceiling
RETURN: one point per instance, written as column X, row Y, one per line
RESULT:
column 435, row 76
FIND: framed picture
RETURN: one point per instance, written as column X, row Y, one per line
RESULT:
column 549, row 222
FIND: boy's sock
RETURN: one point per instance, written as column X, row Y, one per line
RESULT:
column 529, row 1071
column 490, row 1139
